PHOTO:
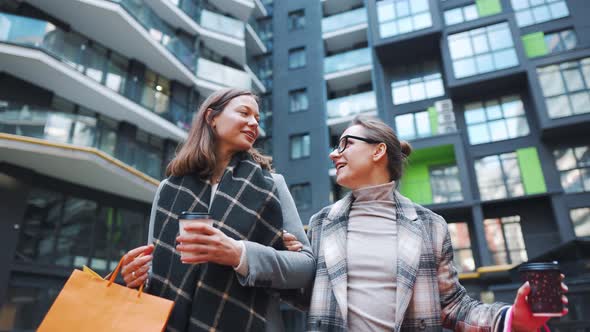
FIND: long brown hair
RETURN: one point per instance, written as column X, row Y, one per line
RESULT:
column 197, row 154
column 397, row 151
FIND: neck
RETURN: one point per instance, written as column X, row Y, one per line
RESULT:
column 372, row 180
column 223, row 159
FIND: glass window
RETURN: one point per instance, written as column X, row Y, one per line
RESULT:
column 538, row 11
column 116, row 73
column 397, row 17
column 107, row 135
column 418, row 82
column 461, row 14
column 24, row 307
column 574, row 168
column 462, row 253
column 301, row 195
column 581, row 221
column 445, row 184
column 156, row 92
column 496, row 120
column 505, row 240
column 116, row 231
column 297, row 58
column 296, row 20
column 560, row 41
column 84, row 130
column 300, row 146
column 96, row 57
column 38, row 229
column 566, row 88
column 424, row 124
column 482, row 50
column 498, row 176
column 74, row 237
column 298, row 100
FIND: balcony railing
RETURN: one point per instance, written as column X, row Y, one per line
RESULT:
column 80, row 130
column 347, row 60
column 344, row 20
column 72, row 49
column 351, row 105
column 222, row 24
column 224, row 75
column 162, row 32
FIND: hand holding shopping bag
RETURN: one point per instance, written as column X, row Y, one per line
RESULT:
column 89, row 303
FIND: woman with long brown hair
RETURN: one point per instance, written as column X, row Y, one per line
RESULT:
column 225, row 283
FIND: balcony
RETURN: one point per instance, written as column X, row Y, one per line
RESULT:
column 222, row 75
column 73, row 164
column 348, row 69
column 88, row 130
column 256, row 45
column 133, row 29
column 59, row 61
column 331, row 7
column 220, row 33
column 237, row 8
column 344, row 29
column 343, row 109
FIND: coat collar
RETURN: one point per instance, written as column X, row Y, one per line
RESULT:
column 333, row 248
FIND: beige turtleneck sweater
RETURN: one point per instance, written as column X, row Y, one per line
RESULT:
column 371, row 259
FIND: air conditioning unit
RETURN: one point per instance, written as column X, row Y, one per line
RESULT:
column 447, row 128
column 443, row 106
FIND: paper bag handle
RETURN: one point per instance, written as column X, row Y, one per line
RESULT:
column 114, row 274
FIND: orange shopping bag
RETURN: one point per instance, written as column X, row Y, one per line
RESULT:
column 89, row 303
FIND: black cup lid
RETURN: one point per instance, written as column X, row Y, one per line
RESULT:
column 539, row 266
column 194, row 215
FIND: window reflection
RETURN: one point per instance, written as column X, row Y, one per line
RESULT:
column 463, row 255
column 498, row 176
column 495, row 120
column 505, row 240
column 482, row 50
column 566, row 88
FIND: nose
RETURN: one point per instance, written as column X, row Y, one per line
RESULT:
column 334, row 155
column 252, row 122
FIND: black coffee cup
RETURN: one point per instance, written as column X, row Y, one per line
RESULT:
column 545, row 281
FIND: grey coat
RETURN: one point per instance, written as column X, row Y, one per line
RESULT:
column 268, row 267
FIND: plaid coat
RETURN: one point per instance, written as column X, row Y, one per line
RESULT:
column 429, row 295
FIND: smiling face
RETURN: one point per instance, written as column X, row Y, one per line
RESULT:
column 236, row 127
column 357, row 162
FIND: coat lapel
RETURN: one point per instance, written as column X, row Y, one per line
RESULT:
column 409, row 246
column 333, row 248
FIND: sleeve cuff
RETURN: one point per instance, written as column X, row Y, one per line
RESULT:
column 507, row 320
column 242, row 268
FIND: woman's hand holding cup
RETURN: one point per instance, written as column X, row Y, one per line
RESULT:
column 200, row 242
column 136, row 264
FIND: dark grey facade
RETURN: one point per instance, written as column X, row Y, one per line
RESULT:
column 512, row 184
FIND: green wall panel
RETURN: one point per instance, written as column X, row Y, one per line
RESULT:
column 534, row 44
column 433, row 117
column 415, row 183
column 488, row 7
column 531, row 171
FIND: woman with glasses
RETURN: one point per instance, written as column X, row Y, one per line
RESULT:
column 385, row 263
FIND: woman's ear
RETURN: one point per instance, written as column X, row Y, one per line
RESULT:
column 209, row 119
column 380, row 152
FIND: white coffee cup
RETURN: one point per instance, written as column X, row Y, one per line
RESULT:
column 186, row 218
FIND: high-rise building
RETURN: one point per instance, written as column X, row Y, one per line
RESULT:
column 95, row 96
column 494, row 97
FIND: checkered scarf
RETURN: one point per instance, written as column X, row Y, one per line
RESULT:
column 208, row 297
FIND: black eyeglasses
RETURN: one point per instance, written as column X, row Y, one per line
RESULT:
column 343, row 143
